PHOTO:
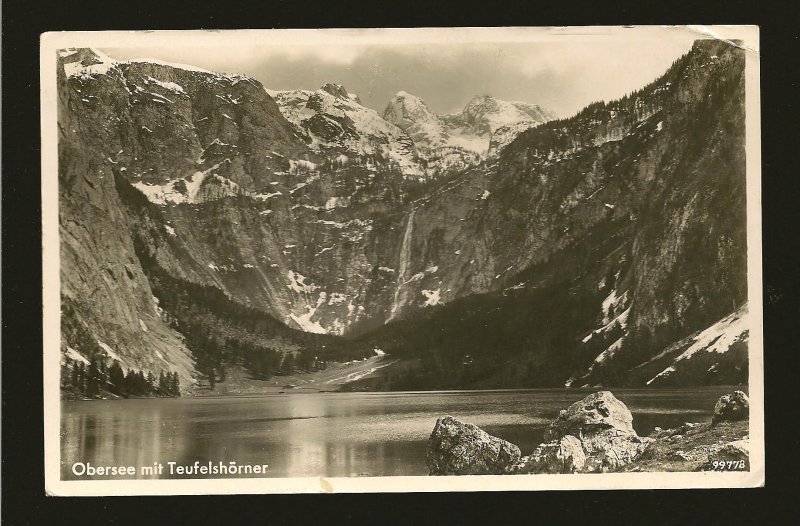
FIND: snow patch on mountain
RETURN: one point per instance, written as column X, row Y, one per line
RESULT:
column 75, row 355
column 433, row 297
column 719, row 337
column 181, row 190
column 170, row 86
column 299, row 283
column 622, row 320
column 109, row 351
column 305, row 323
column 86, row 63
column 716, row 339
column 610, row 351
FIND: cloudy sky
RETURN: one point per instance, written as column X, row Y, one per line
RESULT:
column 562, row 72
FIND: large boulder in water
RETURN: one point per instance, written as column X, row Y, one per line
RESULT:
column 733, row 406
column 456, row 448
column 602, row 426
column 597, row 412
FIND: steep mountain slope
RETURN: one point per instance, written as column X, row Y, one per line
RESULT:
column 108, row 307
column 301, row 241
column 196, row 144
column 635, row 206
column 717, row 354
column 247, row 206
column 573, row 253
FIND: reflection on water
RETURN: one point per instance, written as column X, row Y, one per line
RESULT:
column 330, row 434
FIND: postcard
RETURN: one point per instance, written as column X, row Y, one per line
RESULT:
column 402, row 260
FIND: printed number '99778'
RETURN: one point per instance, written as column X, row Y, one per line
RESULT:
column 728, row 465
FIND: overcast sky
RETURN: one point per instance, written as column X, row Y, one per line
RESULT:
column 562, row 74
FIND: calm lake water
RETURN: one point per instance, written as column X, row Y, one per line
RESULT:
column 330, row 434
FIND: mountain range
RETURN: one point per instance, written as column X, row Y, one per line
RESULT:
column 207, row 222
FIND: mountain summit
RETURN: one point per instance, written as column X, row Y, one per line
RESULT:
column 422, row 145
column 501, row 120
column 334, row 122
column 485, row 125
column 411, row 114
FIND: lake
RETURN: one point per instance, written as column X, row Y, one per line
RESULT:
column 331, row 434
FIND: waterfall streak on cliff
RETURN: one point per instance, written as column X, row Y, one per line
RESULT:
column 405, row 261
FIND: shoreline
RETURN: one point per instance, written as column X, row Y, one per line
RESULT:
column 311, row 390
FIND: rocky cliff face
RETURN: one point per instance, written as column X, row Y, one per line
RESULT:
column 107, row 304
column 652, row 169
column 635, row 206
column 311, row 208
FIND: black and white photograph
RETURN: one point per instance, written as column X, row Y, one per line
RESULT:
column 402, row 260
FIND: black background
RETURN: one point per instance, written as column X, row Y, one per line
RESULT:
column 24, row 501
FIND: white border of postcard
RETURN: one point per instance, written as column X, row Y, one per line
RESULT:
column 51, row 42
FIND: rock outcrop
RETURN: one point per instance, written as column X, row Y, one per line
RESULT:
column 593, row 435
column 456, row 448
column 558, row 456
column 696, row 446
column 735, row 453
column 731, row 407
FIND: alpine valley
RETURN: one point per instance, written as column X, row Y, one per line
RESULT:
column 231, row 237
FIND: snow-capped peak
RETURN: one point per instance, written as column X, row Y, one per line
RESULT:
column 488, row 113
column 500, row 120
column 406, row 109
column 89, row 61
column 404, row 96
column 410, row 113
column 484, row 125
column 85, row 61
column 87, row 55
column 334, row 120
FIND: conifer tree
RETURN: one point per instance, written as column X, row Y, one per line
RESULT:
column 164, row 387
column 117, row 378
column 92, row 380
column 175, row 385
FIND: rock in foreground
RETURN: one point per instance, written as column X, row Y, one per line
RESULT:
column 696, row 447
column 557, row 456
column 731, row 407
column 597, row 412
column 456, row 448
column 594, row 435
